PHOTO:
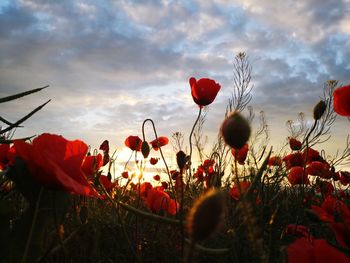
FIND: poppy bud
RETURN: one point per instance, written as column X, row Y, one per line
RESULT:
column 319, row 109
column 181, row 159
column 205, row 215
column 235, row 130
column 145, row 149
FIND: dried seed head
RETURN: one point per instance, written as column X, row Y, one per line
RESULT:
column 235, row 130
column 319, row 109
column 205, row 215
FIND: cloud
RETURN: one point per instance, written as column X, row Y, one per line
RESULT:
column 110, row 65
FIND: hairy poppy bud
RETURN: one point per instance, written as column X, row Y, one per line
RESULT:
column 145, row 149
column 319, row 109
column 205, row 215
column 235, row 130
column 181, row 159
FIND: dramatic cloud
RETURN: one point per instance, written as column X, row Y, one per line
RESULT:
column 112, row 64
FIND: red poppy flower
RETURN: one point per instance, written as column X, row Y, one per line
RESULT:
column 303, row 250
column 199, row 174
column 294, row 144
column 105, row 159
column 144, row 188
column 105, row 146
column 312, row 155
column 324, row 252
column 240, row 154
column 331, row 209
column 153, row 161
column 275, row 161
column 134, row 143
column 107, row 184
column 324, row 187
column 92, row 164
column 156, row 177
column 164, row 185
column 158, row 200
column 157, row 143
column 297, row 176
column 235, row 193
column 293, row 159
column 56, row 163
column 4, row 149
column 125, row 174
column 204, row 91
column 344, row 178
column 341, row 100
column 337, row 214
column 174, row 174
column 316, row 168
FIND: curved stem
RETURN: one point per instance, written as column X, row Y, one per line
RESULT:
column 190, row 141
column 160, row 150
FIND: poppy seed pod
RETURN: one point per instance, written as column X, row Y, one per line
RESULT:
column 319, row 109
column 145, row 149
column 181, row 159
column 235, row 130
column 205, row 215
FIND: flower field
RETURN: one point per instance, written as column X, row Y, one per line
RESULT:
column 61, row 201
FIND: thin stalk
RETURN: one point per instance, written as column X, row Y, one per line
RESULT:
column 190, row 141
column 161, row 153
column 31, row 231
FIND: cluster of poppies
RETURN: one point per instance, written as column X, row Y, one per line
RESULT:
column 59, row 164
column 306, row 248
column 301, row 164
column 156, row 199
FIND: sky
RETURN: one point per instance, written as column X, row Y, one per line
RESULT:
column 112, row 64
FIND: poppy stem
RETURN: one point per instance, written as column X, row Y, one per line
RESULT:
column 126, row 164
column 31, row 231
column 190, row 141
column 191, row 250
column 161, row 152
column 306, row 157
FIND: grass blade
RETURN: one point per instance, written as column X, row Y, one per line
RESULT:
column 22, row 94
column 24, row 118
